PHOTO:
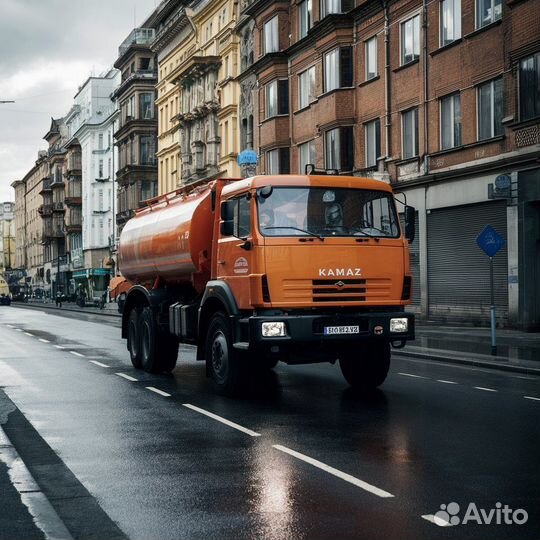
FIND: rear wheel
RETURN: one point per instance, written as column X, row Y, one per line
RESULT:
column 227, row 366
column 159, row 351
column 134, row 339
column 366, row 367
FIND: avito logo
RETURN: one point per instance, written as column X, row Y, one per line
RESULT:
column 448, row 515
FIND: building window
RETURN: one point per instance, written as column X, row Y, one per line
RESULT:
column 306, row 156
column 371, row 58
column 146, row 106
column 450, row 21
column 409, row 133
column 338, row 69
column 271, row 36
column 338, row 149
column 278, row 161
column 147, row 149
column 529, row 87
column 328, row 7
column 490, row 109
column 306, row 87
column 100, row 170
column 450, row 121
column 304, row 18
column 100, row 141
column 373, row 142
column 148, row 190
column 277, row 98
column 410, row 40
column 487, row 12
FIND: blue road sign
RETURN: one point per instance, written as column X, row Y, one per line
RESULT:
column 247, row 157
column 490, row 241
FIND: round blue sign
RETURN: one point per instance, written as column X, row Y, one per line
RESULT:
column 247, row 157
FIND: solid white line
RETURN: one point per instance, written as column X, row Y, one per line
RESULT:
column 76, row 353
column 44, row 340
column 28, row 334
column 59, row 346
column 436, row 520
column 222, row 420
column 446, row 382
column 98, row 363
column 531, row 397
column 485, row 389
column 415, row 376
column 133, row 379
column 344, row 476
column 158, row 391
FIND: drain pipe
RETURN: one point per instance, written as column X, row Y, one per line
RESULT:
column 387, row 116
column 425, row 89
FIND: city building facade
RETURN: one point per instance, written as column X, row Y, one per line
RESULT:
column 7, row 237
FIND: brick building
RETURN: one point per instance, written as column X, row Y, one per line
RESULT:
column 440, row 99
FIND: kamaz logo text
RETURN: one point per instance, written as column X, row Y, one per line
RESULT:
column 339, row 272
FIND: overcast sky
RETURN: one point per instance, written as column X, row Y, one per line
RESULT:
column 47, row 50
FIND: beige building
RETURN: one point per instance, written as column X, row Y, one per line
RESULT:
column 7, row 236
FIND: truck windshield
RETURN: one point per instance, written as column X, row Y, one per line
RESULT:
column 301, row 211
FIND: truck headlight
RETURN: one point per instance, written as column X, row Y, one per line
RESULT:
column 399, row 325
column 273, row 329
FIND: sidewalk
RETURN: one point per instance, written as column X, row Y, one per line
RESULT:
column 516, row 350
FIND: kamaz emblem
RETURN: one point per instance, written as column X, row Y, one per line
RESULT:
column 339, row 272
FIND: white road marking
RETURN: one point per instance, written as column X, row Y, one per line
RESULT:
column 28, row 334
column 133, row 379
column 446, row 382
column 485, row 389
column 76, row 353
column 340, row 474
column 436, row 520
column 59, row 346
column 18, row 329
column 222, row 420
column 158, row 391
column 531, row 397
column 44, row 340
column 98, row 363
column 411, row 375
column 10, row 326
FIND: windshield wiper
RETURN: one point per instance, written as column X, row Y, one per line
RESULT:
column 296, row 229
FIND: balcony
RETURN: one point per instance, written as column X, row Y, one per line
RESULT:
column 57, row 182
column 73, row 200
column 46, row 185
column 74, row 163
column 73, row 227
column 45, row 210
column 58, row 207
column 138, row 36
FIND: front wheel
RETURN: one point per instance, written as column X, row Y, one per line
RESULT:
column 366, row 367
column 226, row 365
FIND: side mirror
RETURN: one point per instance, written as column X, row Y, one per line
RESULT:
column 410, row 228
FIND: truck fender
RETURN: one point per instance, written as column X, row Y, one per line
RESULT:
column 217, row 297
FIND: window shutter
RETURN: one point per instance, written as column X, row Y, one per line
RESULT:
column 284, row 161
column 345, row 67
column 283, row 96
column 347, row 148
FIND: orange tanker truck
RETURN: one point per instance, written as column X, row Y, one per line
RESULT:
column 290, row 268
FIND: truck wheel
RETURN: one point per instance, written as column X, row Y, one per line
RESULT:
column 134, row 339
column 159, row 351
column 226, row 365
column 368, row 368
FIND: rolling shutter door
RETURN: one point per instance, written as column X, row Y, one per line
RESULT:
column 458, row 270
column 414, row 253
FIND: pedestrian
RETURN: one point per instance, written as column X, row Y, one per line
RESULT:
column 58, row 298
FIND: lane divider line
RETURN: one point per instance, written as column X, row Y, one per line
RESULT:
column 77, row 353
column 129, row 378
column 158, row 391
column 340, row 474
column 446, row 382
column 436, row 520
column 222, row 420
column 99, row 363
column 485, row 389
column 28, row 334
column 18, row 329
column 531, row 397
column 44, row 340
column 411, row 375
column 59, row 347
column 10, row 326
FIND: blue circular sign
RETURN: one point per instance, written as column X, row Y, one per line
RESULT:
column 503, row 181
column 247, row 157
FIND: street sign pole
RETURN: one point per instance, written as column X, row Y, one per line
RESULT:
column 492, row 310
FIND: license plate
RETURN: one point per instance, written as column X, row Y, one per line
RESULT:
column 333, row 330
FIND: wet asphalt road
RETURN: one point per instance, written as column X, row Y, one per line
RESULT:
column 305, row 458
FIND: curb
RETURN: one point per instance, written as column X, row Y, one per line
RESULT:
column 468, row 362
column 101, row 312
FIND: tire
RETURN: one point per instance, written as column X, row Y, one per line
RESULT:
column 159, row 351
column 366, row 368
column 134, row 339
column 227, row 366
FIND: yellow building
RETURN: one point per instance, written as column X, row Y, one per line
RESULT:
column 197, row 95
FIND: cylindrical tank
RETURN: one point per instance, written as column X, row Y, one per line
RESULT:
column 171, row 239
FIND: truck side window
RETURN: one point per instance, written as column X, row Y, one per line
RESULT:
column 242, row 218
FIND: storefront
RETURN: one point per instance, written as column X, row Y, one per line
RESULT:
column 93, row 281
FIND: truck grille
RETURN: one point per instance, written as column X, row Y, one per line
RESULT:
column 336, row 290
